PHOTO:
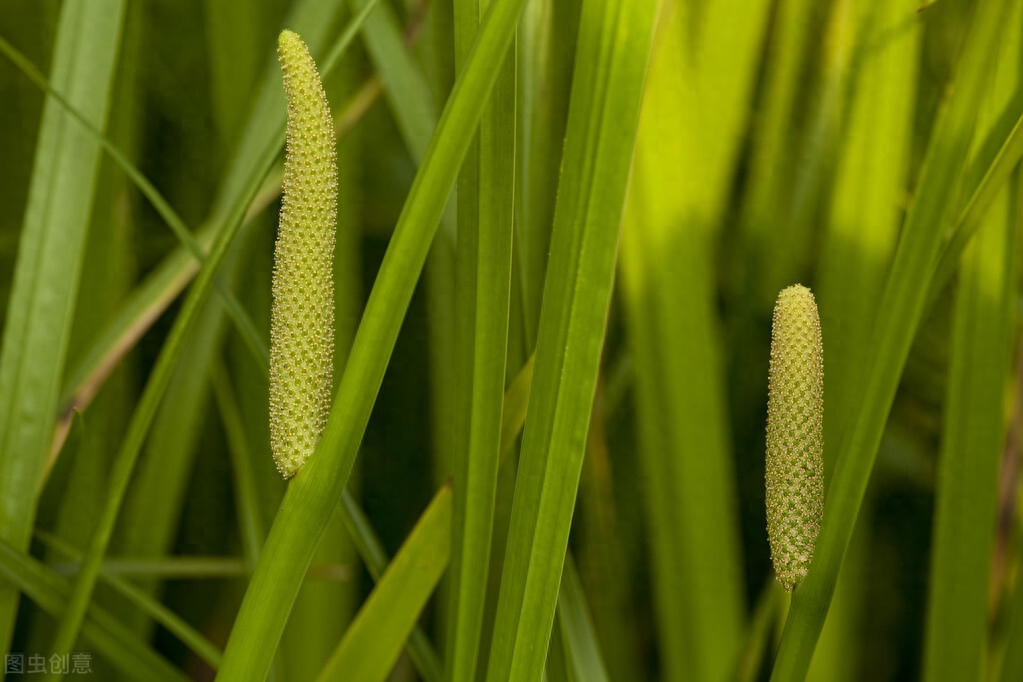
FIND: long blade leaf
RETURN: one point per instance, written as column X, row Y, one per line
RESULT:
column 375, row 638
column 53, row 238
column 615, row 40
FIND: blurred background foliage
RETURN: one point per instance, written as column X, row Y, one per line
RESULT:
column 184, row 85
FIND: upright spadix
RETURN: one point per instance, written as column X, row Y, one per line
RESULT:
column 795, row 435
column 302, row 317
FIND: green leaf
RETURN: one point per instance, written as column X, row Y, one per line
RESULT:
column 614, row 45
column 372, row 643
column 412, row 104
column 174, row 624
column 547, row 42
column 966, row 505
column 685, row 157
column 142, row 419
column 1012, row 663
column 195, row 568
column 768, row 238
column 580, row 641
column 159, row 289
column 999, row 166
column 250, row 517
column 232, row 32
column 53, row 238
column 862, row 228
column 769, row 603
column 152, row 512
column 483, row 262
column 115, row 641
column 516, row 403
column 372, row 552
column 169, row 215
column 408, row 92
column 971, row 449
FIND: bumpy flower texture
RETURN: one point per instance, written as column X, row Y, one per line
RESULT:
column 302, row 317
column 795, row 440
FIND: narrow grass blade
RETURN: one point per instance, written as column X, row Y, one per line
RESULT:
column 412, row 104
column 547, row 42
column 556, row 669
column 77, row 493
column 156, row 292
column 613, row 51
column 118, row 643
column 316, row 490
column 168, row 280
column 516, row 403
column 967, row 490
column 195, row 568
column 894, row 327
column 1012, row 663
column 92, row 131
column 144, row 414
column 232, row 31
column 862, row 228
column 153, row 505
column 967, row 484
column 250, row 517
column 409, row 97
column 375, row 558
column 860, row 236
column 408, row 91
column 53, row 237
column 483, row 260
column 604, row 557
column 162, row 206
column 966, row 494
column 999, row 166
column 136, row 315
column 769, row 602
column 765, row 235
column 683, row 169
column 579, row 639
column 376, row 636
column 174, row 624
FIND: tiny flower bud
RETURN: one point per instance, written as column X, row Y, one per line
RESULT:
column 795, row 435
column 302, row 317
